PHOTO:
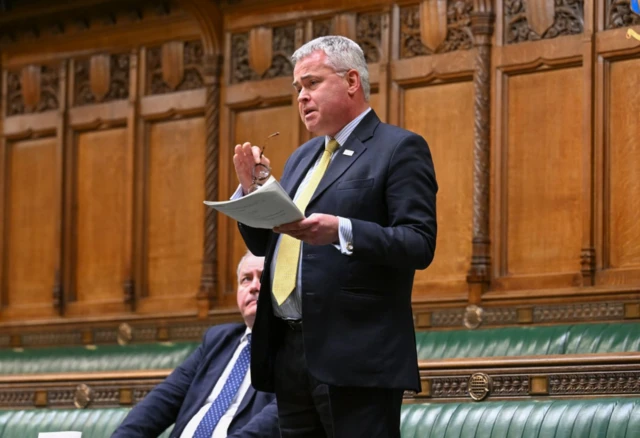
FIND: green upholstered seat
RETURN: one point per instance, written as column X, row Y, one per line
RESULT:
column 586, row 418
column 93, row 423
column 529, row 341
column 95, row 358
column 575, row 418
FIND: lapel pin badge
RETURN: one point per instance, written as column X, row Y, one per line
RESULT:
column 348, row 152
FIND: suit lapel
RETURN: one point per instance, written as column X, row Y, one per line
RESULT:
column 355, row 143
column 291, row 184
column 339, row 165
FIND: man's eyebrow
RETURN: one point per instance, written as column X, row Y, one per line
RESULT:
column 302, row 78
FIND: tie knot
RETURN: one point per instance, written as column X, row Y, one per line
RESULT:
column 332, row 146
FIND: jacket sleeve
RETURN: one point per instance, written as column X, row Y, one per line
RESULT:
column 262, row 425
column 159, row 409
column 409, row 239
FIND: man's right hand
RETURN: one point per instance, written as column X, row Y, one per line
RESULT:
column 245, row 158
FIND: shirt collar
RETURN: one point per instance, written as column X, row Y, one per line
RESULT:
column 342, row 135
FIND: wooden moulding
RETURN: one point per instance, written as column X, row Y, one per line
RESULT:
column 555, row 376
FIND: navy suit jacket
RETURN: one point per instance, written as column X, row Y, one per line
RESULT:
column 185, row 391
column 357, row 317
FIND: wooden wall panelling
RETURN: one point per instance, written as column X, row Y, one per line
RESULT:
column 99, row 195
column 172, row 147
column 3, row 173
column 32, row 187
column 617, row 149
column 432, row 93
column 538, row 193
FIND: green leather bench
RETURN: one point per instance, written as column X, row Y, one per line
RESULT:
column 575, row 418
column 529, row 341
column 95, row 358
column 93, row 423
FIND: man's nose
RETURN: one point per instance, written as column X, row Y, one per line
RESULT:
column 255, row 284
column 303, row 96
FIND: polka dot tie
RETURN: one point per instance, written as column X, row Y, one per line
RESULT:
column 226, row 396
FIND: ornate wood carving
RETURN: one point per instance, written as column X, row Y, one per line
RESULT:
column 578, row 312
column 283, row 48
column 100, row 74
column 369, row 35
column 345, row 25
column 568, row 20
column 173, row 63
column 595, row 383
column 193, row 75
column 42, row 89
column 482, row 20
column 322, row 28
column 459, row 35
column 588, row 265
column 207, row 293
column 433, row 23
column 260, row 49
column 619, row 14
column 540, row 15
column 30, row 84
column 84, row 19
column 94, row 84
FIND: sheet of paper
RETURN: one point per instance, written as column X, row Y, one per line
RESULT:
column 67, row 434
column 267, row 207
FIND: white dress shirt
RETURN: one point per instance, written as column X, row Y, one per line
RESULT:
column 223, row 425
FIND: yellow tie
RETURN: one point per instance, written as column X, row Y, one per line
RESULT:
column 284, row 279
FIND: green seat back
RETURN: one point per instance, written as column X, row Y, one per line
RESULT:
column 93, row 423
column 95, row 358
column 576, row 418
column 529, row 341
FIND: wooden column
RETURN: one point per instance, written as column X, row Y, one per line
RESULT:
column 478, row 278
column 208, row 286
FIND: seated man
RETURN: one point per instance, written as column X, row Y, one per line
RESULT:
column 210, row 394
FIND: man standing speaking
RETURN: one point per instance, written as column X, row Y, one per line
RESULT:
column 334, row 336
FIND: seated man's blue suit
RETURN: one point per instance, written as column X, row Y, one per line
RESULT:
column 185, row 391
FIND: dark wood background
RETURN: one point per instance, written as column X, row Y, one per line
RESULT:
column 119, row 119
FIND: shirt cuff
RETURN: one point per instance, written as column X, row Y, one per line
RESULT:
column 237, row 194
column 345, row 233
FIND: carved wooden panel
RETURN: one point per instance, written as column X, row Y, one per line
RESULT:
column 70, row 24
column 175, row 211
column 102, row 235
column 569, row 20
column 543, row 177
column 619, row 14
column 459, row 35
column 369, row 35
column 322, row 28
column 33, row 234
column 46, row 98
column 449, row 132
column 283, row 47
column 622, row 148
column 114, row 83
column 193, row 69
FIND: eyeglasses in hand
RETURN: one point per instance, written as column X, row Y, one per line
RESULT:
column 261, row 172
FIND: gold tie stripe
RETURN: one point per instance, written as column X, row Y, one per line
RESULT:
column 284, row 279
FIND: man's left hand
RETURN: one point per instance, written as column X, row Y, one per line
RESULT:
column 317, row 229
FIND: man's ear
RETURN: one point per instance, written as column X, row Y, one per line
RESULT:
column 353, row 79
